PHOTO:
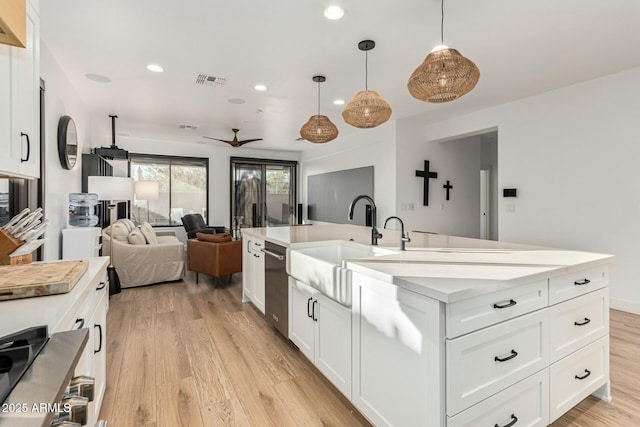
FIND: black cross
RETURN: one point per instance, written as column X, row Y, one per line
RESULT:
column 426, row 174
column 448, row 187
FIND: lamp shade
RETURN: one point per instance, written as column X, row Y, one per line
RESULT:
column 113, row 188
column 319, row 129
column 366, row 110
column 147, row 190
column 445, row 75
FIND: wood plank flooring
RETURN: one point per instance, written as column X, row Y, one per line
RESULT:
column 181, row 354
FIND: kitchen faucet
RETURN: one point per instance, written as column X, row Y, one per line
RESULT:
column 375, row 234
column 403, row 238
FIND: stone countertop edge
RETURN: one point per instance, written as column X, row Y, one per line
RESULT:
column 476, row 287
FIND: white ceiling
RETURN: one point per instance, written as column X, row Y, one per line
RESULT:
column 521, row 48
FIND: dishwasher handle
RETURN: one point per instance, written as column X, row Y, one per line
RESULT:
column 276, row 255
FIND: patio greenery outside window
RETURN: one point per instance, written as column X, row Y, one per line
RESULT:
column 183, row 188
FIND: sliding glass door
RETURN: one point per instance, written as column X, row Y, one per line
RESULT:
column 263, row 192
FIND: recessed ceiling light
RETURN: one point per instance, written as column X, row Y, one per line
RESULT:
column 155, row 68
column 236, row 101
column 98, row 78
column 260, row 87
column 338, row 101
column 334, row 12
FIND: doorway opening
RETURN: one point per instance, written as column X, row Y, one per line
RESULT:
column 488, row 186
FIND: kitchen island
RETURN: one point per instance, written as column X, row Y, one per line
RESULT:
column 455, row 331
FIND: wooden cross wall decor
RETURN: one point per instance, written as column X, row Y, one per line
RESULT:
column 447, row 187
column 426, row 174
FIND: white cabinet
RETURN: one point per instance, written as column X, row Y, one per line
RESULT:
column 301, row 324
column 525, row 403
column 99, row 341
column 578, row 322
column 488, row 361
column 321, row 328
column 398, row 355
column 253, row 271
column 19, row 104
column 524, row 355
column 81, row 243
column 89, row 310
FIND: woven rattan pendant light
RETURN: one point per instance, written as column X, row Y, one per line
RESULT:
column 319, row 129
column 445, row 75
column 367, row 109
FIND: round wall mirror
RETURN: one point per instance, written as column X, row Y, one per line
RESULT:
column 67, row 142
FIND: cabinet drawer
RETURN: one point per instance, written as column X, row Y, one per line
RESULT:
column 577, row 322
column 257, row 245
column 483, row 363
column 476, row 313
column 576, row 284
column 525, row 403
column 577, row 376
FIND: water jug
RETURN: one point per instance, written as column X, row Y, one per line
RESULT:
column 82, row 209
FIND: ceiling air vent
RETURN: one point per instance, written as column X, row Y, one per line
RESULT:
column 188, row 127
column 206, row 80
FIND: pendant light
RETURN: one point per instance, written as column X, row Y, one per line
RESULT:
column 319, row 129
column 445, row 75
column 367, row 109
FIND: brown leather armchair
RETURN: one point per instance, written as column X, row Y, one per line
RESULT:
column 217, row 259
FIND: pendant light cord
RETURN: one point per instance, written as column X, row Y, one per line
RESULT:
column 366, row 70
column 442, row 22
column 318, row 98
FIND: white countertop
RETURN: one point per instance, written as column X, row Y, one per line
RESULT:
column 447, row 268
column 450, row 275
column 47, row 310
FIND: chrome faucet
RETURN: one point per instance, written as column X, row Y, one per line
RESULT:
column 375, row 234
column 403, row 238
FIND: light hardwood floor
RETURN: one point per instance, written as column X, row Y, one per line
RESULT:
column 181, row 354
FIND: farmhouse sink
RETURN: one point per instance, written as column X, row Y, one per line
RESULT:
column 322, row 266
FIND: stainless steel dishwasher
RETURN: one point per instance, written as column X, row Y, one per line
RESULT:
column 276, row 287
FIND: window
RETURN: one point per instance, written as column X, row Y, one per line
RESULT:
column 182, row 183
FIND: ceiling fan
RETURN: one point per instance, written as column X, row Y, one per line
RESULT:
column 234, row 142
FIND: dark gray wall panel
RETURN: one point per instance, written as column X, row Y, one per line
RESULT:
column 329, row 195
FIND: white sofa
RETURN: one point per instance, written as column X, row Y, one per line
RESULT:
column 143, row 263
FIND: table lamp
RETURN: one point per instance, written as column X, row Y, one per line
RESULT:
column 147, row 190
column 113, row 189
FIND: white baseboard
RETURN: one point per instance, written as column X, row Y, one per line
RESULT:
column 625, row 305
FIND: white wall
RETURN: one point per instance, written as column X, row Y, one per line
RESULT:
column 573, row 155
column 219, row 164
column 60, row 99
column 370, row 147
column 457, row 161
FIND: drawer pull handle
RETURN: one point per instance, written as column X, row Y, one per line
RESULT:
column 99, row 335
column 511, row 303
column 513, row 354
column 586, row 320
column 101, row 286
column 309, row 315
column 79, row 324
column 28, row 148
column 587, row 373
column 514, row 420
column 582, row 282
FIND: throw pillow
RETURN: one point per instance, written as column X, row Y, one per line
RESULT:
column 149, row 233
column 215, row 238
column 119, row 231
column 130, row 225
column 137, row 238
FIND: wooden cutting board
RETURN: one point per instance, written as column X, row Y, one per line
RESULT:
column 35, row 280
